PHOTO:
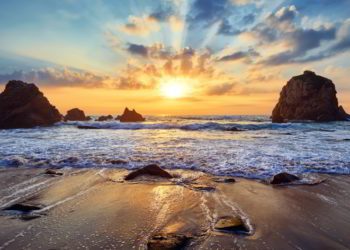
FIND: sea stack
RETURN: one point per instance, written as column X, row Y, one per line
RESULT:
column 104, row 118
column 308, row 97
column 76, row 115
column 131, row 116
column 22, row 105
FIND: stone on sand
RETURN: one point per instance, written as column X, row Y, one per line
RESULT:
column 283, row 178
column 232, row 224
column 23, row 207
column 53, row 172
column 168, row 242
column 152, row 169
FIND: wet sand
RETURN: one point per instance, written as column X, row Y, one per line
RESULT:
column 97, row 209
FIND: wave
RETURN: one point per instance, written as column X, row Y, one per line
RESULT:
column 215, row 126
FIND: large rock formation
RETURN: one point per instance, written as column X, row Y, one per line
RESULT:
column 131, row 116
column 22, row 105
column 308, row 97
column 76, row 115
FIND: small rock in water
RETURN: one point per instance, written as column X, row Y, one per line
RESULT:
column 105, row 118
column 87, row 127
column 52, row 172
column 69, row 160
column 168, row 242
column 232, row 224
column 76, row 115
column 234, row 129
column 152, row 169
column 283, row 178
column 131, row 116
column 117, row 162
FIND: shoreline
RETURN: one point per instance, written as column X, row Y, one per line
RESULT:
column 96, row 208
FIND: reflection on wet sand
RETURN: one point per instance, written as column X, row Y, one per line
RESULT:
column 95, row 208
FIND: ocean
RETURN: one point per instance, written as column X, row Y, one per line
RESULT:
column 245, row 146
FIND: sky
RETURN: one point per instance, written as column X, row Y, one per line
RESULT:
column 173, row 57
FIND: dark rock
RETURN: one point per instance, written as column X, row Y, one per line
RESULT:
column 52, row 172
column 234, row 129
column 117, row 162
column 22, row 105
column 152, row 169
column 69, row 160
column 16, row 162
column 202, row 187
column 76, row 115
column 283, row 178
column 87, row 127
column 168, row 242
column 23, row 207
column 233, row 224
column 104, row 118
column 118, row 117
column 342, row 115
column 308, row 97
column 28, row 217
column 224, row 180
column 131, row 116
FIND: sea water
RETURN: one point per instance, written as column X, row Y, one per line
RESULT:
column 248, row 146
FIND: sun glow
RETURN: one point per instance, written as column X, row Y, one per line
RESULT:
column 174, row 88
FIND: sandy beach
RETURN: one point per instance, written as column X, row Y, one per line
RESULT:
column 97, row 209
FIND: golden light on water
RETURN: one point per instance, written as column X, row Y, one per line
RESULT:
column 174, row 88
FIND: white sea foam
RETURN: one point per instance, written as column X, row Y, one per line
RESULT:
column 258, row 149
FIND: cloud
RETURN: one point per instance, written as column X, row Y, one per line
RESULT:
column 205, row 13
column 149, row 23
column 54, row 76
column 163, row 13
column 138, row 49
column 302, row 41
column 343, row 38
column 239, row 55
column 226, row 28
column 155, row 51
column 221, row 89
column 299, row 44
column 208, row 11
column 140, row 26
column 244, row 2
column 275, row 25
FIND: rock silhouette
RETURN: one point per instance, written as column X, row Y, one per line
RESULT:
column 105, row 118
column 76, row 115
column 308, row 97
column 22, row 105
column 131, row 116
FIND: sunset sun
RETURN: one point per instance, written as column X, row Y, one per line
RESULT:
column 174, row 88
